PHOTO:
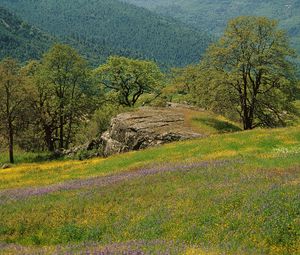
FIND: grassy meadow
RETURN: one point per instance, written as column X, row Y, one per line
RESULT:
column 224, row 191
column 236, row 193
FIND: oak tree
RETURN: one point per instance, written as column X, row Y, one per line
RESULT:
column 250, row 69
column 11, row 100
column 130, row 78
column 65, row 73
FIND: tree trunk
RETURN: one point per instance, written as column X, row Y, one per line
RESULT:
column 248, row 122
column 61, row 133
column 68, row 140
column 11, row 143
column 247, row 118
column 49, row 139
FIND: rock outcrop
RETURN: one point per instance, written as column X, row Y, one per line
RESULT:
column 136, row 130
column 145, row 128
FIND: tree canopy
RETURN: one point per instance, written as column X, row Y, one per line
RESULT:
column 130, row 78
column 250, row 70
column 61, row 93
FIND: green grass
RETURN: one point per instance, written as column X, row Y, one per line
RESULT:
column 249, row 206
column 24, row 157
column 216, row 125
column 253, row 145
column 208, row 123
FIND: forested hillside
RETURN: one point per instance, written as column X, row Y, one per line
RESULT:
column 24, row 42
column 120, row 27
column 20, row 40
column 212, row 15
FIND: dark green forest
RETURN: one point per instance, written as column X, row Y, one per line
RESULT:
column 110, row 27
column 20, row 40
column 24, row 42
column 213, row 15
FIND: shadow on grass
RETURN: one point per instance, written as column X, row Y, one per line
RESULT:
column 219, row 125
column 29, row 157
column 45, row 157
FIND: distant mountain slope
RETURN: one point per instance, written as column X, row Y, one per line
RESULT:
column 212, row 15
column 119, row 26
column 20, row 40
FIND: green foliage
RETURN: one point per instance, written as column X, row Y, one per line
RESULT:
column 65, row 73
column 248, row 71
column 112, row 27
column 20, row 40
column 62, row 93
column 98, row 123
column 213, row 15
column 80, row 95
column 130, row 78
column 181, row 87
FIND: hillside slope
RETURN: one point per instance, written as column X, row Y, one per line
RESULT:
column 24, row 42
column 226, row 194
column 121, row 27
column 20, row 40
column 212, row 15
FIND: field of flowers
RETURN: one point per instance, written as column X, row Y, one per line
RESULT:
column 236, row 193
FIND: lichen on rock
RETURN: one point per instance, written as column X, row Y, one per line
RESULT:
column 145, row 128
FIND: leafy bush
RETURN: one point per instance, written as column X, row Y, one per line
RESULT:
column 99, row 123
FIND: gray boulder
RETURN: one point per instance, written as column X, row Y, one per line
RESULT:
column 145, row 128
